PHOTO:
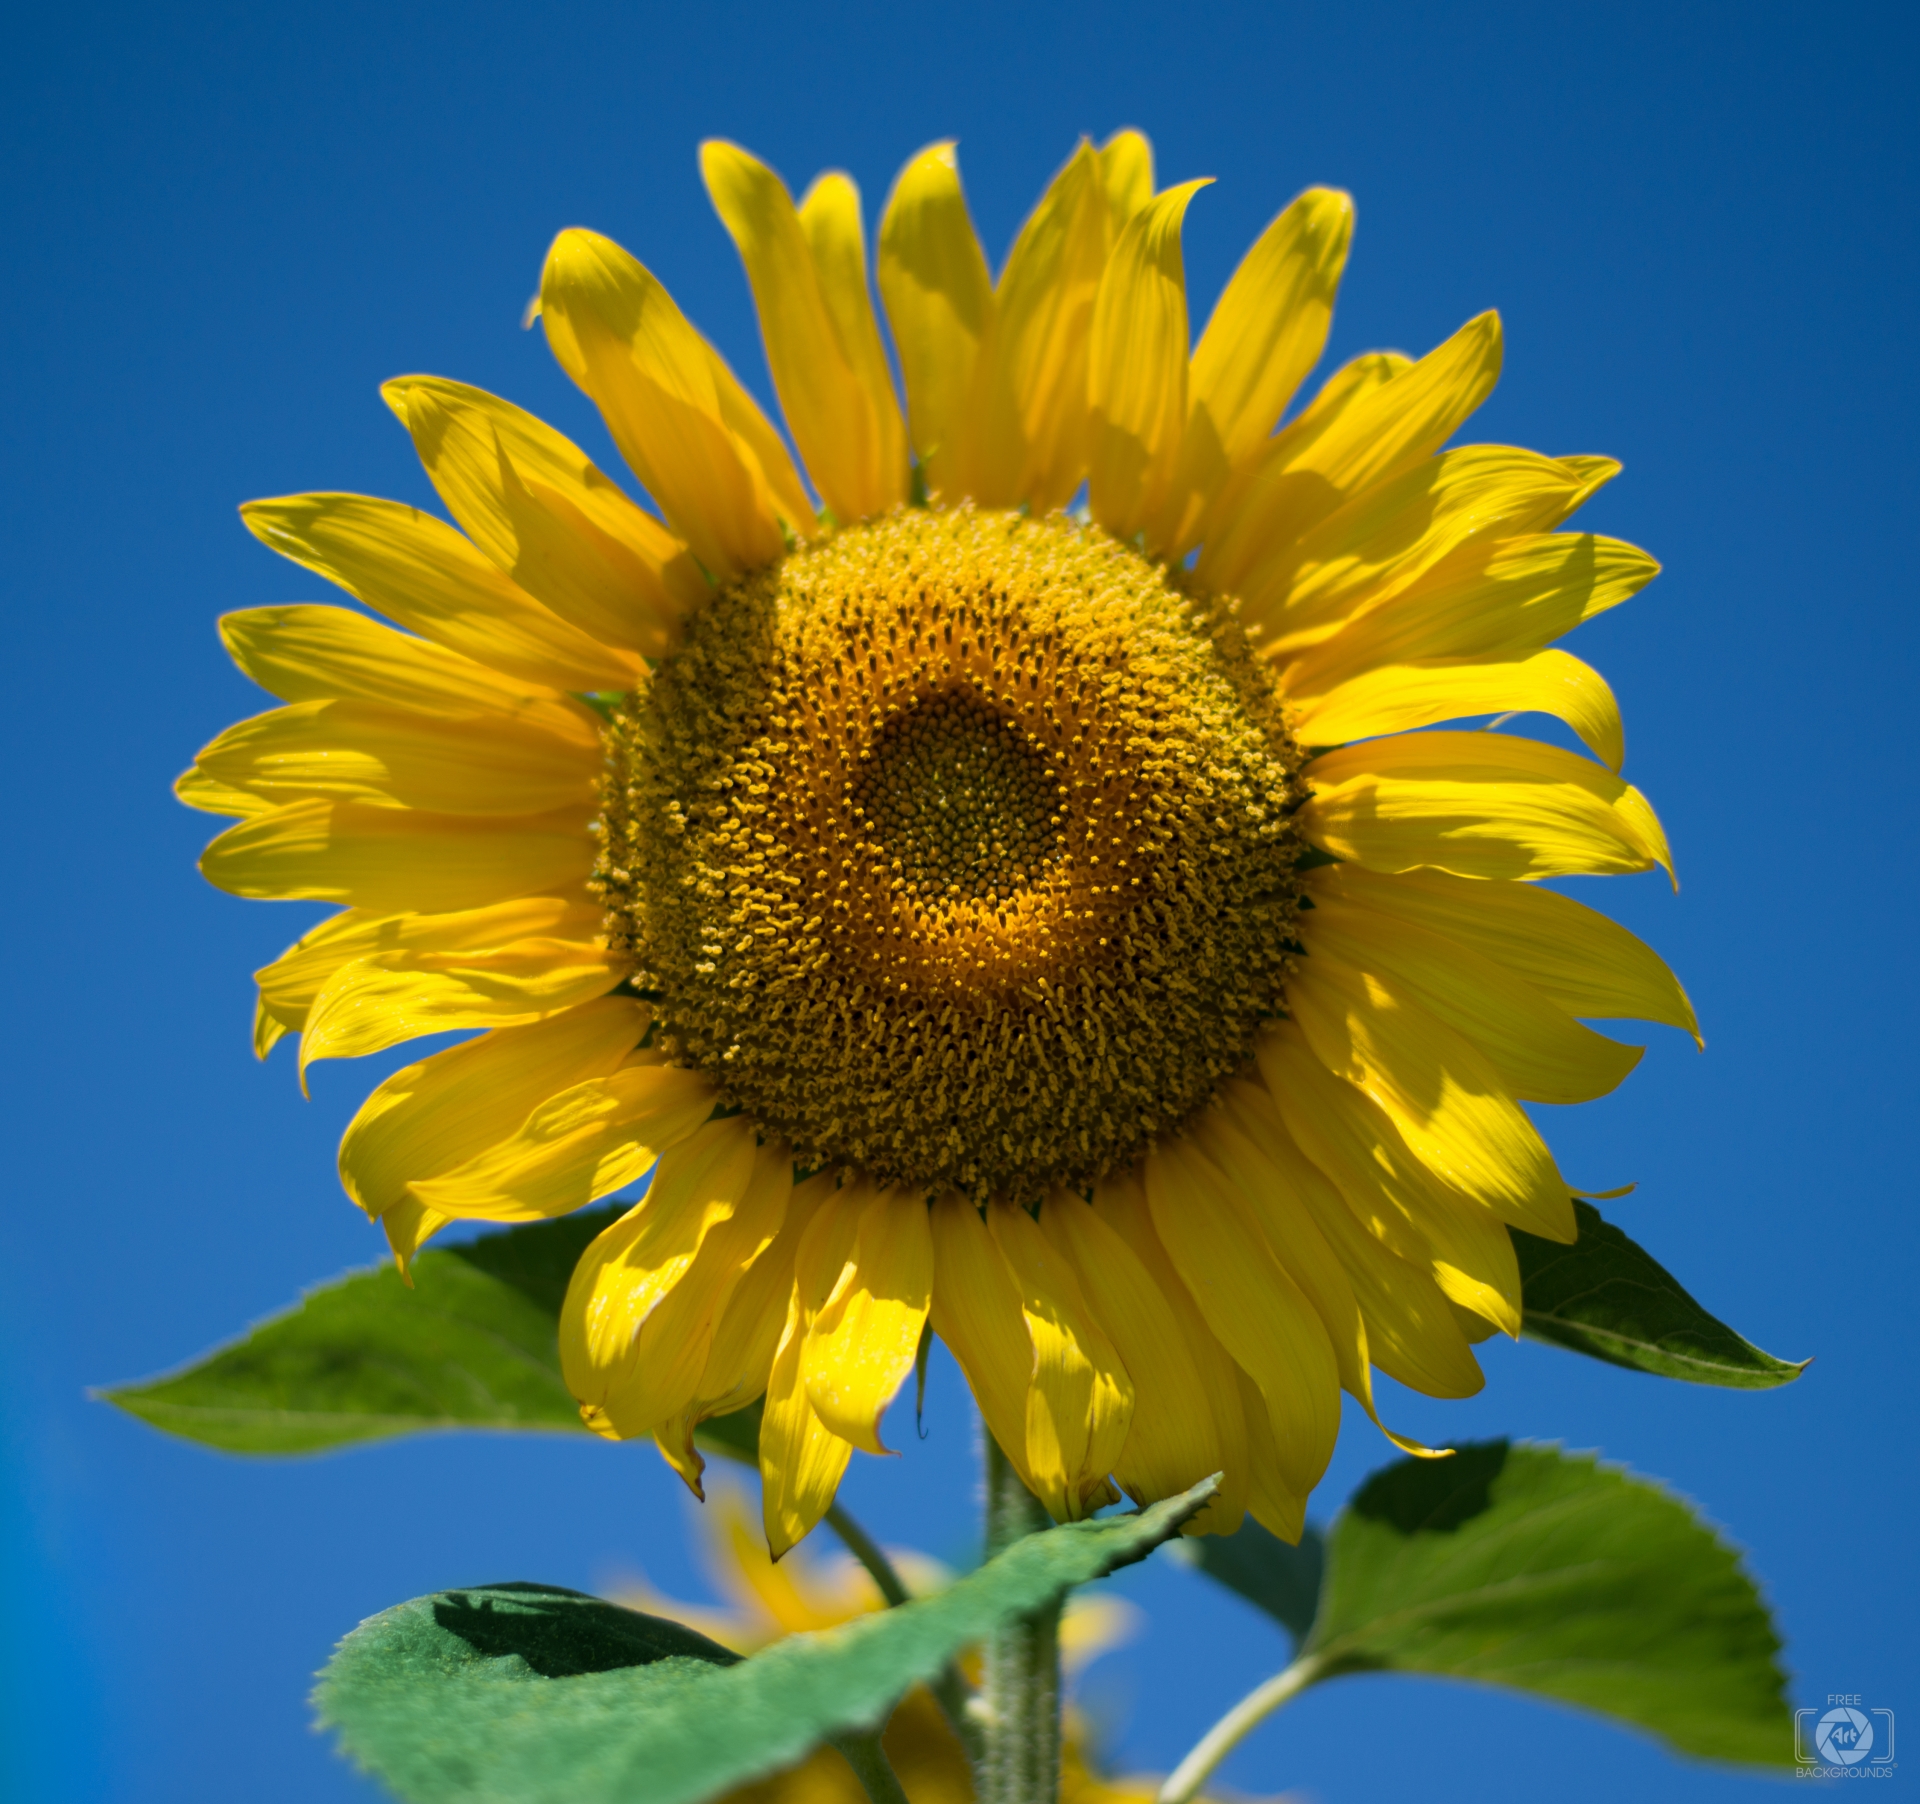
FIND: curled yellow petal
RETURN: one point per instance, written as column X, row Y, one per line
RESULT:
column 418, row 571
column 861, row 1345
column 437, row 1114
column 362, row 751
column 833, row 415
column 1479, row 805
column 1458, row 1241
column 1171, row 1439
column 1573, row 955
column 1254, row 1308
column 289, row 985
column 310, row 653
column 977, row 1312
column 538, row 506
column 1441, row 1092
column 644, row 1298
column 1404, row 696
column 659, row 386
column 939, row 301
column 576, row 1147
column 399, row 859
column 198, row 790
column 378, row 1001
column 1487, row 600
column 1137, row 367
column 1027, row 441
column 1540, row 1053
column 1080, row 1402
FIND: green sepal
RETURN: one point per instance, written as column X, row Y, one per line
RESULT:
column 541, row 1696
column 1607, row 1298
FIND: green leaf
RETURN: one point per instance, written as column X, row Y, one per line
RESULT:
column 473, row 1345
column 1284, row 1581
column 1524, row 1566
column 540, row 1696
column 1605, row 1297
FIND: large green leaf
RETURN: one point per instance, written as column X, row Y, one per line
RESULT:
column 1284, row 1581
column 540, row 1696
column 1528, row 1567
column 1605, row 1297
column 472, row 1345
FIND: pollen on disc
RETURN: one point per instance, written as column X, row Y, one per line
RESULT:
column 958, row 849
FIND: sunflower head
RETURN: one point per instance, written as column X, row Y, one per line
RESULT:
column 1079, row 935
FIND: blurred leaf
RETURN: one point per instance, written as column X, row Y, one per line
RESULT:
column 1605, row 1297
column 473, row 1345
column 541, row 1696
column 1545, row 1571
column 1284, row 1581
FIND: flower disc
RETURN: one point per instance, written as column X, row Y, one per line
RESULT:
column 957, row 849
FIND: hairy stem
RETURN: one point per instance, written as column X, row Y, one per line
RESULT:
column 872, row 1767
column 1021, row 1761
column 950, row 1690
column 1227, row 1734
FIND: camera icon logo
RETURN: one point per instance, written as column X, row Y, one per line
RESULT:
column 1843, row 1735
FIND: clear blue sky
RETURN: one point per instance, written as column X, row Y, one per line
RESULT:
column 225, row 225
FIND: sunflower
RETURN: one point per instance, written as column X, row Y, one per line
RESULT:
column 1071, row 931
column 767, row 1602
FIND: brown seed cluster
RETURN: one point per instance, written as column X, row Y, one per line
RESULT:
column 957, row 849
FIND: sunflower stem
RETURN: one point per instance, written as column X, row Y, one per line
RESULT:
column 950, row 1689
column 1227, row 1734
column 872, row 1767
column 1021, row 1760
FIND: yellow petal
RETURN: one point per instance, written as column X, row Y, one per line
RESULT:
column 830, row 217
column 437, row 1114
column 1171, row 1442
column 1392, row 532
column 1120, row 1201
column 977, row 1312
column 310, row 653
column 638, row 1315
column 1126, row 171
column 1267, row 331
column 1377, row 430
column 861, row 1345
column 1411, row 1333
column 1081, row 1400
column 1571, row 954
column 939, row 300
column 375, row 1002
column 289, row 985
column 268, row 1029
column 536, row 504
column 831, row 413
column 1479, row 805
column 1397, row 1199
column 1137, row 368
column 617, row 333
column 1028, row 441
column 746, row 1334
column 198, row 790
column 1404, row 696
column 1257, row 1312
column 801, row 1459
column 1441, row 1092
column 1271, row 1500
column 1502, row 599
column 362, row 751
column 576, row 1147
column 1294, row 1238
column 418, row 571
column 1540, row 1053
column 399, row 859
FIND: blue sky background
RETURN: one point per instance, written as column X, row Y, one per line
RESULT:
column 224, row 227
